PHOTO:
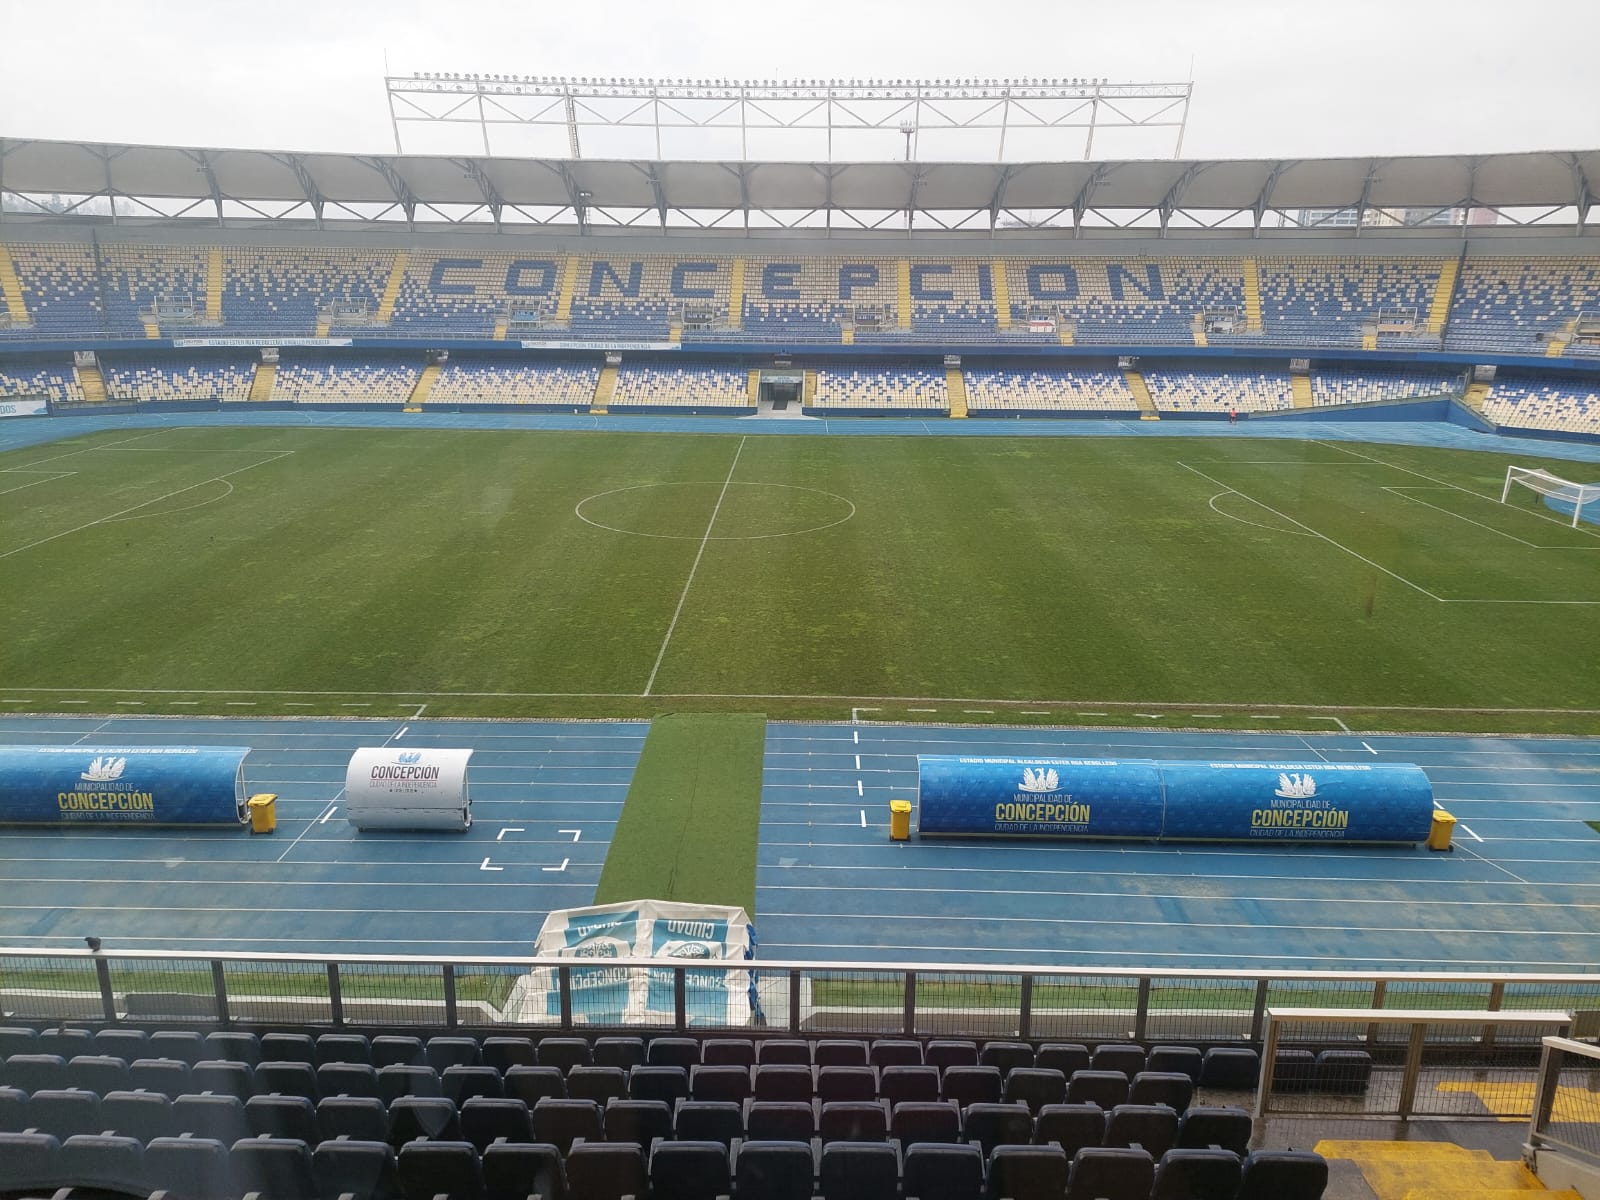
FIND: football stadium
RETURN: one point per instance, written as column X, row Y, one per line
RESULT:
column 1043, row 678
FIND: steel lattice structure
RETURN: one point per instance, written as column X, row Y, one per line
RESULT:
column 97, row 181
column 831, row 115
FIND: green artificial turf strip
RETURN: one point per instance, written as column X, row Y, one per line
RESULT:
column 688, row 828
column 483, row 574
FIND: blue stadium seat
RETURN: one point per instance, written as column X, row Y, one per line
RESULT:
column 65, row 1112
column 343, row 1048
column 943, row 1172
column 774, row 1170
column 430, row 1169
column 728, row 1052
column 697, row 1120
column 13, row 1110
column 1196, row 1175
column 98, row 1073
column 446, row 1052
column 1186, row 1060
column 1110, row 1173
column 853, row 1121
column 215, row 1118
column 273, row 1168
column 360, row 1170
column 599, row 1084
column 644, row 1122
column 432, row 1117
column 503, row 1053
column 859, row 1171
column 291, row 1117
column 1153, row 1127
column 29, row 1161
column 1172, row 1088
column 105, row 1162
column 991, row 1125
column 1035, row 1087
column 562, row 1122
column 780, row 1121
column 1028, row 1173
column 288, row 1048
column 685, row 1170
column 462, row 1083
column 36, row 1072
column 233, row 1045
column 487, row 1118
column 114, row 1042
column 141, row 1115
column 189, row 1168
column 287, row 1079
column 359, row 1118
column 169, row 1076
column 1065, row 1057
column 606, row 1171
column 1283, row 1175
column 927, row 1122
column 1070, row 1126
column 516, row 1171
column 563, row 1052
column 396, row 1050
column 533, row 1084
column 624, row 1052
column 1205, row 1127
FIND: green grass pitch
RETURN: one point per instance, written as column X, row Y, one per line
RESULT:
column 688, row 831
column 1196, row 581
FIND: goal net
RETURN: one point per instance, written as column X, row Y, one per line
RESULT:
column 1565, row 495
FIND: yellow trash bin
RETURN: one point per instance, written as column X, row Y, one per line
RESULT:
column 1444, row 827
column 264, row 813
column 899, row 820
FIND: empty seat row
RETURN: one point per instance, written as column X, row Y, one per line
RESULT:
column 483, row 1120
column 1032, row 1086
column 290, row 1169
column 565, row 1051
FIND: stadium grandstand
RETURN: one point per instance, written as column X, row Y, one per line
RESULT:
column 390, row 480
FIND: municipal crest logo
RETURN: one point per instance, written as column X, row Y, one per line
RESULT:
column 410, row 756
column 1041, row 779
column 104, row 769
column 682, row 949
column 1296, row 786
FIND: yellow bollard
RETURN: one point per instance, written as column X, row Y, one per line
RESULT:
column 264, row 813
column 899, row 820
column 1444, row 827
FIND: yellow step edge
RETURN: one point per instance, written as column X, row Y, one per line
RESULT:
column 1002, row 293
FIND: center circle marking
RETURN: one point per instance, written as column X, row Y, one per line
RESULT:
column 578, row 508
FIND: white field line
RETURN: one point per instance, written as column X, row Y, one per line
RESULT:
column 145, row 504
column 1405, row 494
column 87, row 450
column 43, row 478
column 688, row 583
column 1444, row 483
column 1185, row 705
column 1316, row 533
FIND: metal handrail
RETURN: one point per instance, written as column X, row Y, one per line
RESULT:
column 1123, row 974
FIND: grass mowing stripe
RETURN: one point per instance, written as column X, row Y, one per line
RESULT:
column 688, row 828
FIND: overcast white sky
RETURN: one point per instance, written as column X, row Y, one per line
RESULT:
column 1272, row 77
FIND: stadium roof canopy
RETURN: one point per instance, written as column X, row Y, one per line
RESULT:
column 246, row 185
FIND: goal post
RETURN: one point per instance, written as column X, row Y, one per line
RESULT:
column 1552, row 487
